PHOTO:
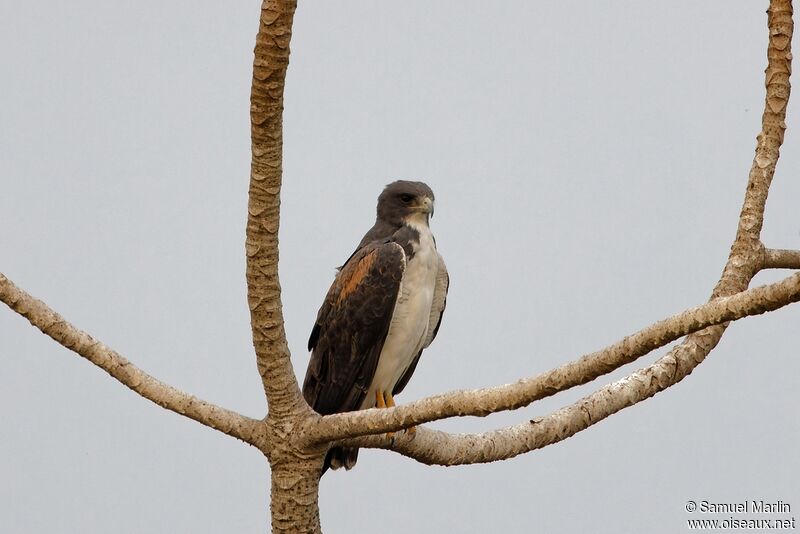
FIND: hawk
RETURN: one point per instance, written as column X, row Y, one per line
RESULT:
column 383, row 308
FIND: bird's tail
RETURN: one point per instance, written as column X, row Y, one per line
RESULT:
column 340, row 457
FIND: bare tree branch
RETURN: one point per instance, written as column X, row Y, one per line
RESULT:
column 743, row 261
column 481, row 402
column 263, row 286
column 166, row 396
column 781, row 259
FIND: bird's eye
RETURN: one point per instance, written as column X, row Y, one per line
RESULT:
column 405, row 197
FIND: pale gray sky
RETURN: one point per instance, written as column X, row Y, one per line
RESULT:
column 589, row 161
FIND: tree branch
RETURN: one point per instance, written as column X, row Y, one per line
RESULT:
column 266, row 130
column 781, row 259
column 481, row 402
column 52, row 324
column 744, row 259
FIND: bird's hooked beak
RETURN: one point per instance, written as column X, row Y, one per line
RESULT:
column 427, row 205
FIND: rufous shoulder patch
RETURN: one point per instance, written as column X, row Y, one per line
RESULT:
column 356, row 275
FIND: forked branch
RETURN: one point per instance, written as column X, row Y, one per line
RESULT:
column 263, row 211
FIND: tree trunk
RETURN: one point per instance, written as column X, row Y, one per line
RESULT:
column 295, row 494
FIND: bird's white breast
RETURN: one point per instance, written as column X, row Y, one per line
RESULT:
column 412, row 311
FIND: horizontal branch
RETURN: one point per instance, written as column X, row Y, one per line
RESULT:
column 482, row 402
column 775, row 258
column 78, row 341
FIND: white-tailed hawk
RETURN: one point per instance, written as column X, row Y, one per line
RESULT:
column 384, row 307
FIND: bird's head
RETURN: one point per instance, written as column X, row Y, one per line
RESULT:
column 403, row 201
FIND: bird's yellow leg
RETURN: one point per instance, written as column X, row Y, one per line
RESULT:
column 379, row 401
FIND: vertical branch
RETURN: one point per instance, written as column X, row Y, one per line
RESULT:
column 745, row 258
column 263, row 216
column 743, row 262
column 295, row 472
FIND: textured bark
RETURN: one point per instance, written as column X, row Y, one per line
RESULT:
column 263, row 286
column 295, row 494
column 781, row 259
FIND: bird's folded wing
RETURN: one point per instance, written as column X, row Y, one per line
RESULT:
column 351, row 328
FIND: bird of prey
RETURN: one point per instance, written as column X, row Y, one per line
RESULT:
column 382, row 309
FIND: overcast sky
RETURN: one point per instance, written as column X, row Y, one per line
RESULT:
column 589, row 160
